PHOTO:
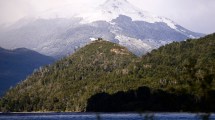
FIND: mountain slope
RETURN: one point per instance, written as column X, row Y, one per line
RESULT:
column 187, row 65
column 67, row 84
column 17, row 64
column 117, row 21
column 183, row 70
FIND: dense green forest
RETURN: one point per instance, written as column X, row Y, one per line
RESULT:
column 180, row 68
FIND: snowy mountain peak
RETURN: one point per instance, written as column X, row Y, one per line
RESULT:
column 116, row 3
column 111, row 9
column 118, row 6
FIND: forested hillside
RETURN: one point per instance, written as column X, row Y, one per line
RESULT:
column 181, row 71
column 67, row 84
column 186, row 66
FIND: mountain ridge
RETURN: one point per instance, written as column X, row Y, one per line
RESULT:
column 17, row 64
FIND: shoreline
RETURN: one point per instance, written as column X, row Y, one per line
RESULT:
column 52, row 112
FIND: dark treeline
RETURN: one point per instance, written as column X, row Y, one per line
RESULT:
column 146, row 99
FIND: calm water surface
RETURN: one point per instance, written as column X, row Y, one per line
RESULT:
column 106, row 116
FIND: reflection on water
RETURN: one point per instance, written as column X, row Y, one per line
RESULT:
column 98, row 117
column 205, row 116
column 107, row 116
column 148, row 117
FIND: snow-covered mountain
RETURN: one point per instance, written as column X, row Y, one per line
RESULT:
column 112, row 9
column 57, row 33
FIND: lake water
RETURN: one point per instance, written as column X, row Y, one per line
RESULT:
column 106, row 116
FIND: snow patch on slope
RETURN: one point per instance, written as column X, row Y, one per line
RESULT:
column 136, row 46
column 93, row 39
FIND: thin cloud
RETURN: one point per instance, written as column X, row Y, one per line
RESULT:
column 198, row 16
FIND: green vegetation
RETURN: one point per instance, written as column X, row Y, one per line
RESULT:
column 67, row 84
column 181, row 67
column 187, row 66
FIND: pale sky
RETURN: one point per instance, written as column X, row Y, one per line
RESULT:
column 195, row 15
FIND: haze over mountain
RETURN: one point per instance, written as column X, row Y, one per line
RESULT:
column 55, row 33
column 16, row 64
